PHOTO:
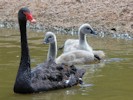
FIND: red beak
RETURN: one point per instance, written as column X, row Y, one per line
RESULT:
column 30, row 17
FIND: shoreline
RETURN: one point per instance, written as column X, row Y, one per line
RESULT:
column 67, row 31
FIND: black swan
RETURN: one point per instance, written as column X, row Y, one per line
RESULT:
column 46, row 76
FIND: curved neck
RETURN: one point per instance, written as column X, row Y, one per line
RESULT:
column 83, row 44
column 25, row 58
column 22, row 82
column 52, row 53
column 82, row 38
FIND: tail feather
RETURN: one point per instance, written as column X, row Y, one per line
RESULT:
column 62, row 47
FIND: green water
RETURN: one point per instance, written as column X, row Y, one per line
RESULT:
column 109, row 80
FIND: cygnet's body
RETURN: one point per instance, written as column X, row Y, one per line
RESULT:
column 76, row 57
column 81, row 43
column 73, row 57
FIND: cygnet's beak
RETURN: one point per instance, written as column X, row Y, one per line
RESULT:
column 45, row 41
column 93, row 32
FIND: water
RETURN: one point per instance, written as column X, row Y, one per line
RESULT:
column 109, row 80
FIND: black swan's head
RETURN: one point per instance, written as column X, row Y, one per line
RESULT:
column 86, row 29
column 49, row 38
column 24, row 14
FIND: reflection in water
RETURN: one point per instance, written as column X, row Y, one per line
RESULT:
column 109, row 80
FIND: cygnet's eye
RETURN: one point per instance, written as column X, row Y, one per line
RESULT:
column 87, row 28
column 50, row 36
column 51, row 39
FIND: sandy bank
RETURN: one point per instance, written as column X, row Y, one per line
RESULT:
column 103, row 15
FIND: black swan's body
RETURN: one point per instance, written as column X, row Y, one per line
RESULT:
column 46, row 76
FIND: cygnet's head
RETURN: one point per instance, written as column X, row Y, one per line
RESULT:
column 86, row 29
column 49, row 38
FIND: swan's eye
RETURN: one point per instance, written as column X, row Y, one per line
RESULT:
column 87, row 28
column 50, row 36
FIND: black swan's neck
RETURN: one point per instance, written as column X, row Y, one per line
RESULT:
column 52, row 51
column 23, row 79
column 25, row 58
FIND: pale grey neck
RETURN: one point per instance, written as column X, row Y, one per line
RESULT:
column 52, row 51
column 83, row 44
column 82, row 38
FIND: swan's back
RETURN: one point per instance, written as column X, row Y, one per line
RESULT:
column 49, row 76
column 100, row 54
column 76, row 57
column 71, row 45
